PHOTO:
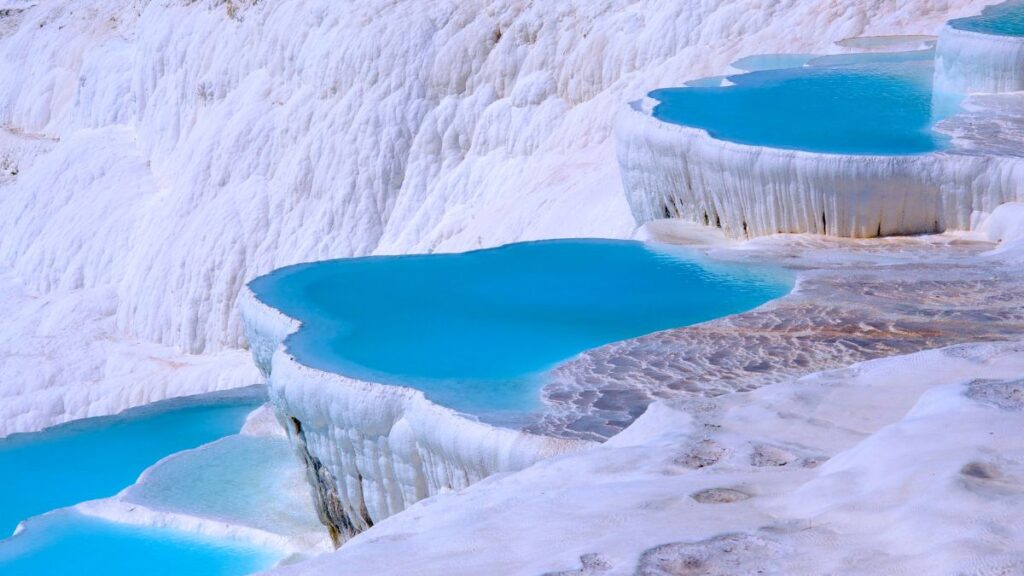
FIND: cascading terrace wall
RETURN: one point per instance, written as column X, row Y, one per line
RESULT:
column 970, row 62
column 371, row 450
column 672, row 171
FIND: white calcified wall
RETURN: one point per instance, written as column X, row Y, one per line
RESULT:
column 681, row 172
column 970, row 62
column 204, row 142
column 372, row 450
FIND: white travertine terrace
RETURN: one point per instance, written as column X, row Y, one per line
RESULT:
column 154, row 156
column 168, row 152
column 854, row 300
column 674, row 171
column 371, row 449
column 969, row 62
column 906, row 465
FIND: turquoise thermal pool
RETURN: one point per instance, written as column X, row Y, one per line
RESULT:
column 241, row 480
column 475, row 331
column 1006, row 19
column 855, row 104
column 65, row 543
column 98, row 457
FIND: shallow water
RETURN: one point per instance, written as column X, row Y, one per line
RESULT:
column 66, row 543
column 872, row 104
column 252, row 481
column 476, row 330
column 860, row 58
column 760, row 62
column 1006, row 19
column 98, row 457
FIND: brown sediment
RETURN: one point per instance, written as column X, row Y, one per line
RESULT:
column 341, row 522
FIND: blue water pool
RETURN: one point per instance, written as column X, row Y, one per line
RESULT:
column 871, row 105
column 244, row 480
column 476, row 330
column 1006, row 19
column 66, row 543
column 98, row 457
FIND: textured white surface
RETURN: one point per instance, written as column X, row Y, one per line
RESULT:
column 167, row 152
column 922, row 474
column 385, row 447
column 674, row 171
column 1006, row 226
column 163, row 153
column 61, row 358
column 203, row 143
column 970, row 62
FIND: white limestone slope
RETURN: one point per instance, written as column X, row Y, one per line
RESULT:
column 673, row 171
column 1006, row 226
column 62, row 358
column 373, row 450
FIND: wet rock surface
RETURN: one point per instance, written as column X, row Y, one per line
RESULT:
column 765, row 455
column 855, row 301
column 701, row 454
column 341, row 523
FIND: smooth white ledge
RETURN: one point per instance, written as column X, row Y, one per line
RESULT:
column 385, row 447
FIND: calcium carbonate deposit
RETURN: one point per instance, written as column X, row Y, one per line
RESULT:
column 857, row 413
column 857, row 145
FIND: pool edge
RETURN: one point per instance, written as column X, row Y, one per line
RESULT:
column 370, row 449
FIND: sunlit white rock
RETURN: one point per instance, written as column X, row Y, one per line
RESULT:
column 969, row 62
column 674, row 171
column 379, row 448
column 909, row 464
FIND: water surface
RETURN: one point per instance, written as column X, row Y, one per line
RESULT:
column 476, row 330
column 760, row 62
column 869, row 104
column 1006, row 19
column 98, row 457
column 66, row 543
